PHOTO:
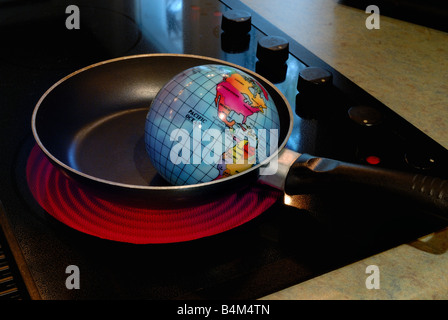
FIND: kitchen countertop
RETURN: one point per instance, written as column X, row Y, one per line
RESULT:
column 404, row 66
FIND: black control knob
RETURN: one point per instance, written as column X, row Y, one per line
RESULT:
column 313, row 80
column 236, row 21
column 235, row 25
column 315, row 98
column 420, row 159
column 273, row 50
column 365, row 115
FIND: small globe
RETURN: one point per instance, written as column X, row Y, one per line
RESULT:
column 210, row 122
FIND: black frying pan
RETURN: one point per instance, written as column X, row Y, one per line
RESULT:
column 91, row 125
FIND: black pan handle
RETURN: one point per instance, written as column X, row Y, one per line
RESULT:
column 309, row 173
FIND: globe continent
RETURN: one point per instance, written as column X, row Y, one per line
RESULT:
column 210, row 122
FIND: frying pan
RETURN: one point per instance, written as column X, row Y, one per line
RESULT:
column 91, row 123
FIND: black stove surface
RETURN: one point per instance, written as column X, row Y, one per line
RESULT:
column 286, row 245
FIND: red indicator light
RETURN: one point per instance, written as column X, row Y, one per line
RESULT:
column 373, row 159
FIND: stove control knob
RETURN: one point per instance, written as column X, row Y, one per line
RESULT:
column 421, row 159
column 365, row 116
column 315, row 96
column 314, row 80
column 236, row 21
column 273, row 50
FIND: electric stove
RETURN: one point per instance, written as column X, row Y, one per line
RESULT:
column 49, row 223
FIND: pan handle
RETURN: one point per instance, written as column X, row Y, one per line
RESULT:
column 309, row 173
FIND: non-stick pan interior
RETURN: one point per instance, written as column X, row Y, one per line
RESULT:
column 92, row 122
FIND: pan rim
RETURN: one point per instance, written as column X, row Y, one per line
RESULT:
column 149, row 187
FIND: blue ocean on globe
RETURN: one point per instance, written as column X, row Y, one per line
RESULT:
column 208, row 123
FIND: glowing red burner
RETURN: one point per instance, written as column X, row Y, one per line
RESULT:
column 66, row 201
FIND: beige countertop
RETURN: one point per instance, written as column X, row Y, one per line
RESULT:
column 404, row 66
